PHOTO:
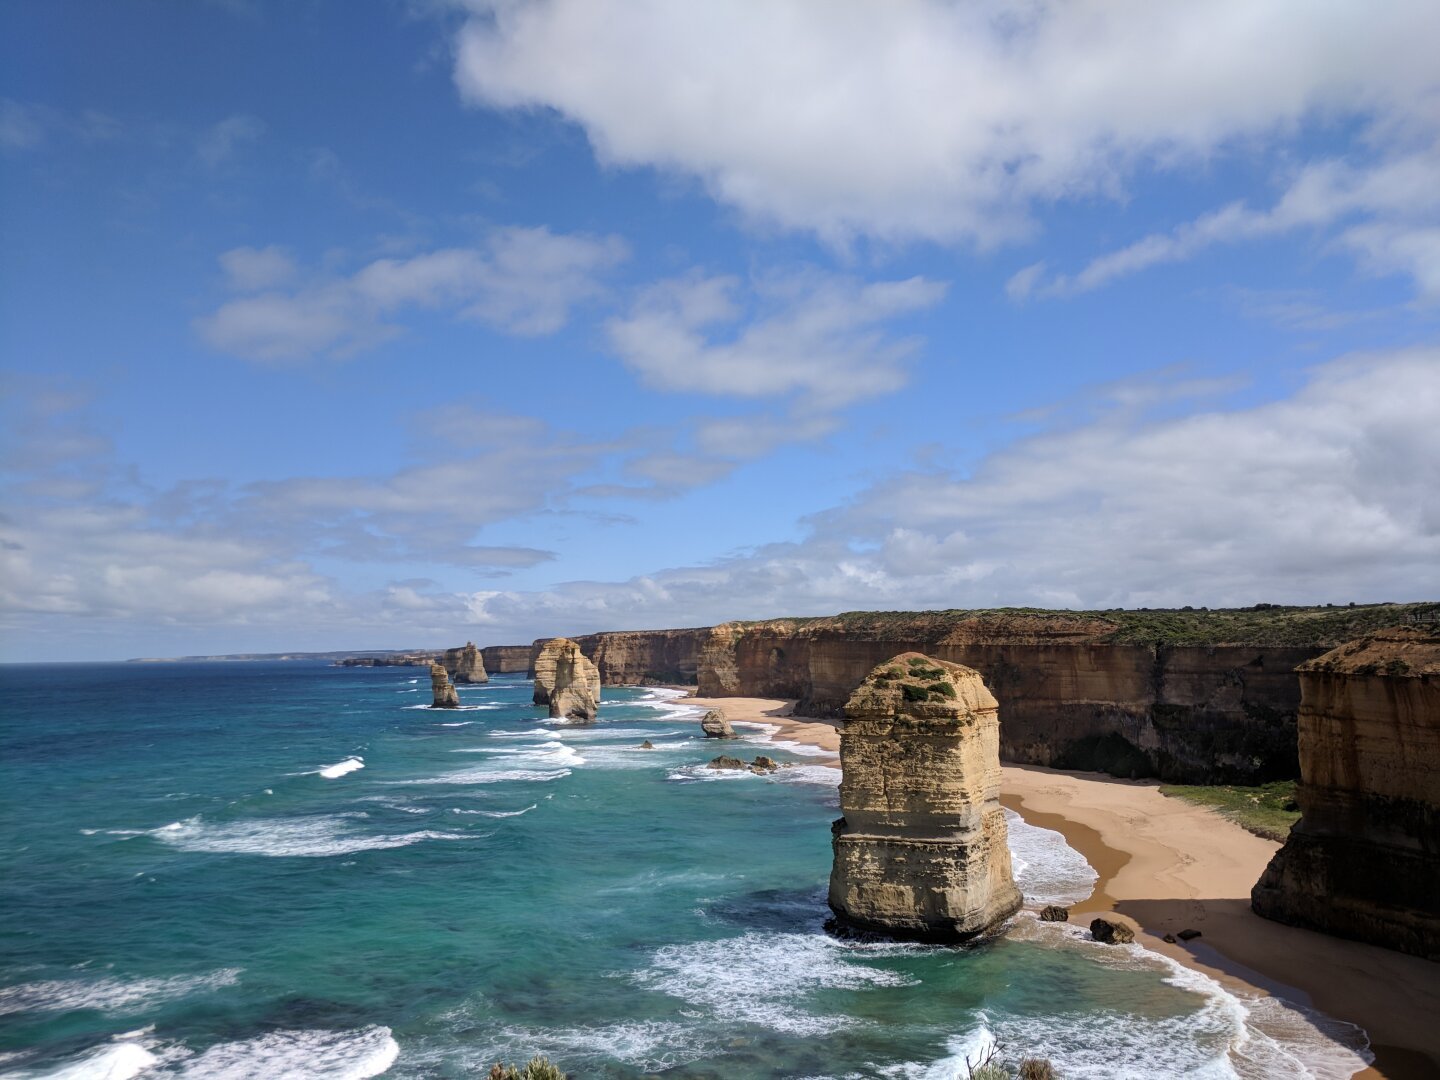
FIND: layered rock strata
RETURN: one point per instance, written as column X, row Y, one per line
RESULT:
column 1364, row 860
column 506, row 659
column 441, row 689
column 566, row 681
column 921, row 851
column 465, row 664
column 1071, row 698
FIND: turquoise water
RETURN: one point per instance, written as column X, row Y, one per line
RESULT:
column 288, row 869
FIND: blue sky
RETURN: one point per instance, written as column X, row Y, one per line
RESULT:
column 334, row 325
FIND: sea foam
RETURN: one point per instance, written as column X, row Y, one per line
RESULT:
column 109, row 994
column 312, row 837
column 1047, row 869
column 340, row 768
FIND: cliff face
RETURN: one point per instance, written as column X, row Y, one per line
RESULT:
column 443, row 693
column 922, row 849
column 645, row 657
column 566, row 681
column 506, row 659
column 1364, row 860
column 465, row 665
column 1071, row 698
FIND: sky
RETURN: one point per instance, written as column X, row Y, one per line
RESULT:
column 329, row 325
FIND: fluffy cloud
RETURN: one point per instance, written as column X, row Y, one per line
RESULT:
column 521, row 280
column 929, row 119
column 813, row 337
column 1330, row 495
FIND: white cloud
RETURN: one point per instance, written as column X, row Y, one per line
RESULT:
column 1400, row 196
column 1330, row 495
column 249, row 269
column 813, row 337
column 928, row 119
column 521, row 280
column 220, row 143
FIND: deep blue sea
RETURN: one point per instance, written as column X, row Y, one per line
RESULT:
column 294, row 870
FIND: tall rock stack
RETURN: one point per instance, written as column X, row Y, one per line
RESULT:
column 1364, row 860
column 465, row 664
column 922, row 850
column 444, row 693
column 566, row 681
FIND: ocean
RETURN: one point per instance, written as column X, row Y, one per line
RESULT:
column 239, row 870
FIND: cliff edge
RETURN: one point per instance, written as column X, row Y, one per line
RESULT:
column 1363, row 862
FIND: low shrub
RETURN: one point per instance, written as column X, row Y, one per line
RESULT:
column 942, row 689
column 537, row 1068
column 1036, row 1069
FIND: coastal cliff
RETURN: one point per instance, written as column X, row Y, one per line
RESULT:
column 922, row 849
column 566, row 681
column 506, row 659
column 1195, row 697
column 1364, row 860
column 465, row 665
column 643, row 657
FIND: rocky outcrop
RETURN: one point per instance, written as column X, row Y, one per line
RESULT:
column 922, row 849
column 1111, row 933
column 465, row 664
column 715, row 726
column 506, row 659
column 1077, row 691
column 566, row 681
column 1364, row 860
column 1054, row 913
column 444, row 693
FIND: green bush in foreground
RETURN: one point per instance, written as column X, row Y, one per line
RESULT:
column 537, row 1068
column 1036, row 1069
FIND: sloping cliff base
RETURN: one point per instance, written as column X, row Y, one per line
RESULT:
column 1166, row 866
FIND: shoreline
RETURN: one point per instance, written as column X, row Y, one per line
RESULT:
column 1166, row 865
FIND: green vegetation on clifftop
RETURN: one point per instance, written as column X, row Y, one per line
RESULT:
column 1262, row 624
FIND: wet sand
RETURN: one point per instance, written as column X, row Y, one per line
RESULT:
column 1166, row 866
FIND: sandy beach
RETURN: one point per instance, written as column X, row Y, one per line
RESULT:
column 1167, row 866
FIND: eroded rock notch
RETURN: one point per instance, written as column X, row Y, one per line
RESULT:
column 922, row 850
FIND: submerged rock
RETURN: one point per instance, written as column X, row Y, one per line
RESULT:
column 566, row 681
column 647, row 745
column 465, row 664
column 922, row 849
column 1054, row 913
column 725, row 762
column 715, row 726
column 1363, row 861
column 442, row 691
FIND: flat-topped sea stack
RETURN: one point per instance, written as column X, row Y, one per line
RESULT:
column 443, row 692
column 465, row 664
column 566, row 681
column 922, row 850
column 1364, row 860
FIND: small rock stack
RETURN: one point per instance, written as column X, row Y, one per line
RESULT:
column 444, row 693
column 922, row 850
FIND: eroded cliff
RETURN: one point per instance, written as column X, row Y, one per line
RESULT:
column 1199, row 703
column 1364, row 859
column 566, row 681
column 506, row 659
column 921, row 850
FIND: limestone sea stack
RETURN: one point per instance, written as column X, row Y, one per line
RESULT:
column 465, row 664
column 1364, row 860
column 444, row 693
column 566, row 681
column 922, row 850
